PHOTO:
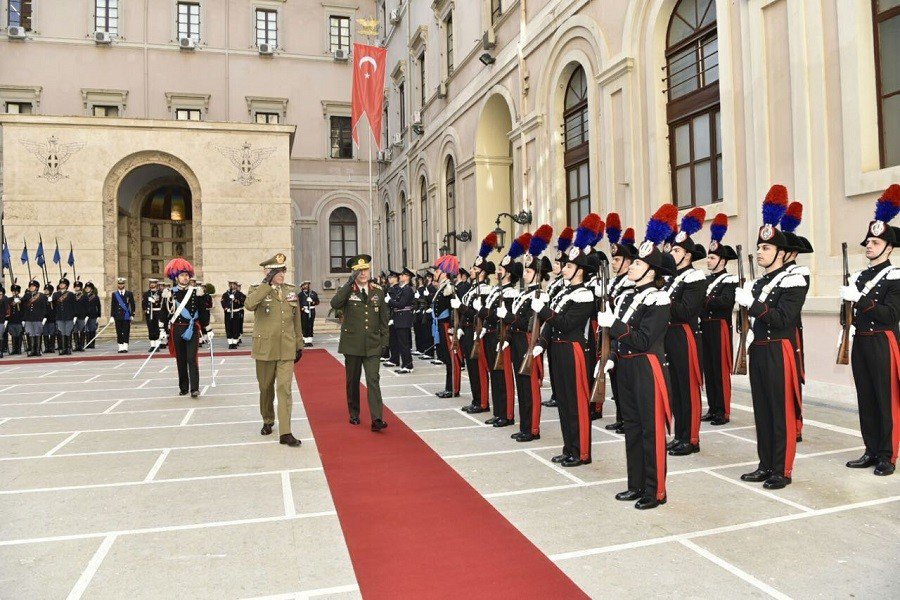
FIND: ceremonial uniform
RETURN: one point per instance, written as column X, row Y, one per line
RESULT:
column 64, row 306
column 184, row 331
column 121, row 309
column 233, row 303
column 4, row 316
column 48, row 329
column 80, row 317
column 35, row 309
column 151, row 304
column 14, row 319
column 309, row 300
column 277, row 345
column 476, row 366
column 94, row 310
column 619, row 287
column 449, row 355
column 528, row 386
column 717, row 343
column 401, row 305
column 556, row 286
column 364, row 332
column 503, row 387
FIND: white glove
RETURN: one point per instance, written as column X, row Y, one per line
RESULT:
column 201, row 290
column 391, row 322
column 609, row 366
column 596, row 370
column 538, row 350
column 161, row 325
column 459, row 333
column 545, row 297
column 743, row 296
column 16, row 300
column 538, row 304
column 477, row 304
column 429, row 311
column 167, row 293
column 425, row 293
column 231, row 296
column 74, row 320
column 416, row 295
column 455, row 303
column 502, row 312
column 44, row 321
column 606, row 318
column 849, row 293
column 210, row 335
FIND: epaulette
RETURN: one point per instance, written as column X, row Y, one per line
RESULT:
column 510, row 292
column 581, row 295
column 798, row 270
column 894, row 274
column 730, row 279
column 376, row 286
column 253, row 287
column 792, row 280
column 697, row 275
column 659, row 298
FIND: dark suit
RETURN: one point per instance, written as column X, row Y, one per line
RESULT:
column 401, row 305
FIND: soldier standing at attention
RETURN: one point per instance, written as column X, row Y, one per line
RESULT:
column 152, row 305
column 121, row 311
column 364, row 332
column 80, row 316
column 277, row 345
column 49, row 327
column 14, row 322
column 64, row 315
column 4, row 315
column 233, row 305
column 187, row 310
column 309, row 300
column 401, row 305
column 94, row 310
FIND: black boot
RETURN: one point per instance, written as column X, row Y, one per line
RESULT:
column 79, row 341
column 68, row 345
column 35, row 345
column 61, row 345
column 16, row 345
column 49, row 346
column 91, row 346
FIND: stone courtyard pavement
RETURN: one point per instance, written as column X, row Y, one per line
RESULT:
column 113, row 487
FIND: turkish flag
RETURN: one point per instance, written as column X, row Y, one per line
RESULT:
column 369, row 64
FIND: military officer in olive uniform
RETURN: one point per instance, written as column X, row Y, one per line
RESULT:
column 277, row 345
column 364, row 332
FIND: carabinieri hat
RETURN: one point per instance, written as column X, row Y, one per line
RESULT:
column 516, row 249
column 462, row 271
column 691, row 223
column 533, row 259
column 716, row 233
column 580, row 251
column 176, row 267
column 886, row 208
column 563, row 243
column 488, row 244
column 789, row 224
column 773, row 208
column 447, row 263
column 360, row 262
column 625, row 247
column 598, row 256
column 659, row 228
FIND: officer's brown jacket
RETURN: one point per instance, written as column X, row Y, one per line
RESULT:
column 276, row 332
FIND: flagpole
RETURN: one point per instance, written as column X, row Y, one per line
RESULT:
column 72, row 254
column 59, row 264
column 28, row 261
column 44, row 258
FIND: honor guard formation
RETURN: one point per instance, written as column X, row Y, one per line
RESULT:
column 641, row 321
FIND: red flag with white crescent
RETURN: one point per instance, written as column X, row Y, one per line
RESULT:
column 369, row 63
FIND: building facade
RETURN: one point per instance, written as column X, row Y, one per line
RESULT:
column 218, row 130
column 561, row 107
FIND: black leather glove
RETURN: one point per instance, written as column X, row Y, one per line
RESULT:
column 298, row 356
column 353, row 276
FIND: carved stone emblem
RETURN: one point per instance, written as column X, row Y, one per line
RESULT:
column 246, row 160
column 53, row 156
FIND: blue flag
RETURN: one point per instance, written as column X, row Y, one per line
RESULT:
column 7, row 259
column 24, row 256
column 71, row 260
column 56, row 256
column 39, row 255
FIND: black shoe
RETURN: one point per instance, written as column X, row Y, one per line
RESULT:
column 354, row 420
column 492, row 420
column 437, row 362
column 884, row 468
column 528, row 437
column 266, row 429
column 550, row 403
column 863, row 462
column 629, row 495
column 378, row 425
column 195, row 394
column 288, row 439
column 571, row 461
column 517, row 435
column 444, row 394
column 708, row 417
column 558, row 458
column 614, row 426
column 776, row 482
column 799, row 438
column 596, row 414
column 756, row 476
column 503, row 422
column 389, row 363
column 647, row 503
column 672, row 444
column 474, row 410
column 719, row 420
column 182, row 392
column 684, row 449
column 620, row 431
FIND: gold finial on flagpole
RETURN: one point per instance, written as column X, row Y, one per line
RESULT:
column 367, row 26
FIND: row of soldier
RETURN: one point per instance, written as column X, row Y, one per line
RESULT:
column 658, row 330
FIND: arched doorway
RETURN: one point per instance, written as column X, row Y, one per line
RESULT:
column 493, row 163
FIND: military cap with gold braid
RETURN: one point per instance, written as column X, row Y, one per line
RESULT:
column 276, row 262
column 360, row 263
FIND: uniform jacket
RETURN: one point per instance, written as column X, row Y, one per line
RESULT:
column 687, row 292
column 4, row 309
column 14, row 309
column 498, row 294
column 440, row 302
column 641, row 322
column 309, row 301
column 152, row 305
column 401, row 304
column 94, row 308
column 81, row 307
column 233, row 304
column 719, row 302
column 518, row 319
column 879, row 308
column 775, row 312
column 115, row 310
column 364, row 323
column 568, row 315
column 276, row 331
column 64, row 305
column 35, row 307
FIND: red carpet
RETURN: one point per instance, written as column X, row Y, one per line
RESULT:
column 414, row 527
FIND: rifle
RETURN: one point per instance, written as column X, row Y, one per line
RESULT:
column 534, row 327
column 476, row 341
column 501, row 339
column 598, row 394
column 743, row 327
column 843, row 354
column 454, row 345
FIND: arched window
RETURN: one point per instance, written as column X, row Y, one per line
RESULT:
column 575, row 159
column 404, row 231
column 692, row 111
column 451, row 204
column 387, row 232
column 886, row 16
column 423, row 211
column 342, row 238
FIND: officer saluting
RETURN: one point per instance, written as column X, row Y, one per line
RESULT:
column 364, row 332
column 875, row 293
column 277, row 345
